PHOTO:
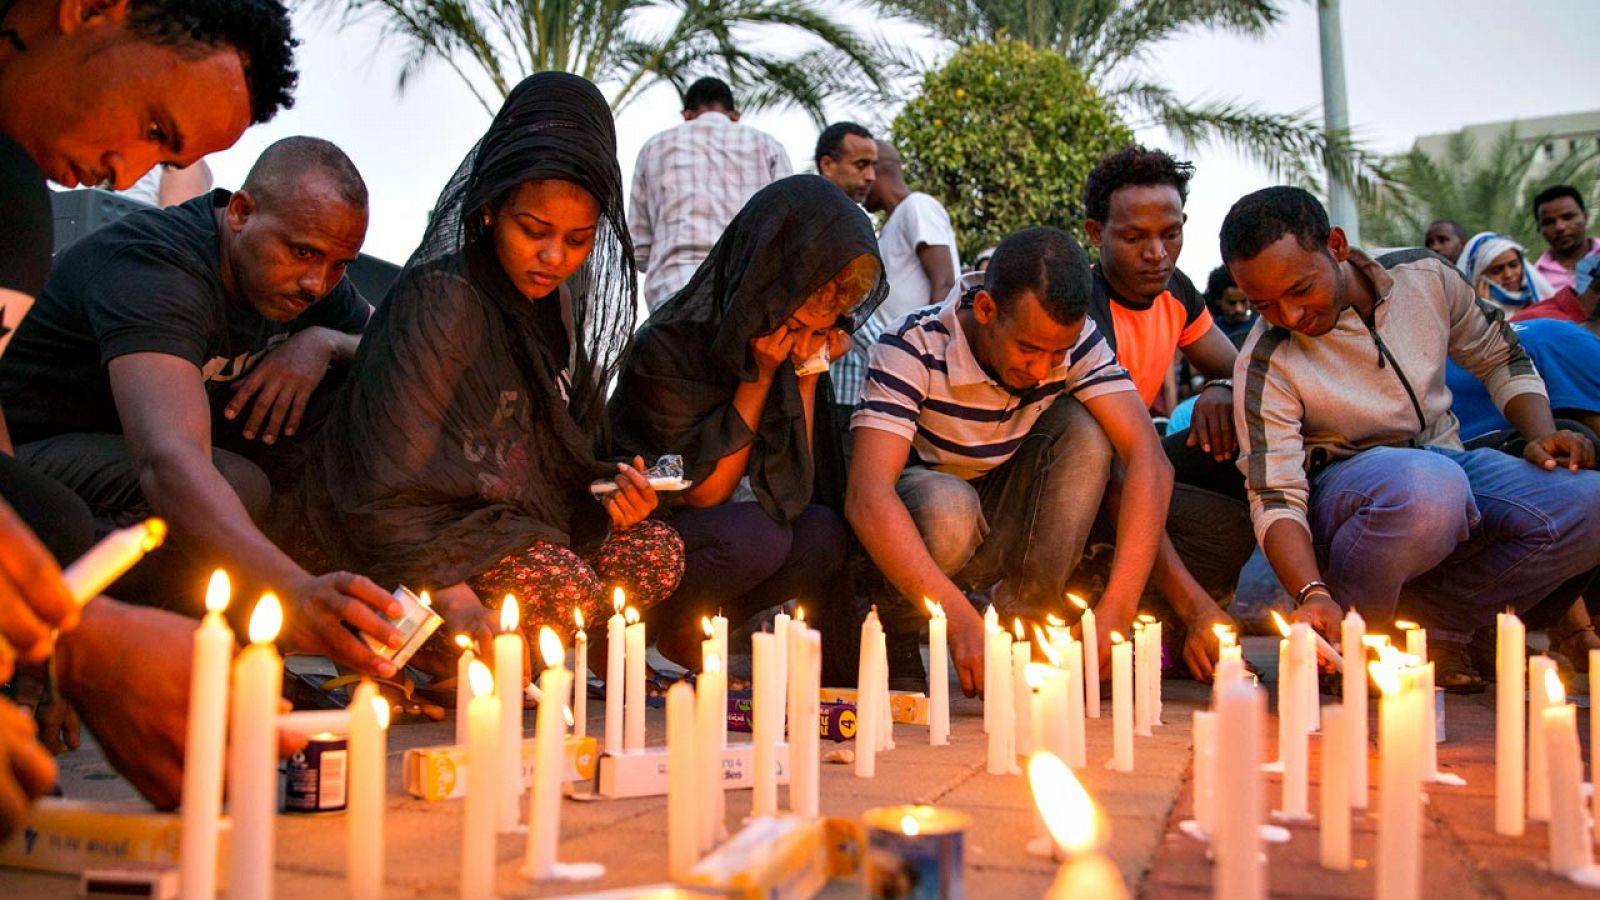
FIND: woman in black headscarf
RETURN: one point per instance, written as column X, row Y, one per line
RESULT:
column 461, row 452
column 715, row 375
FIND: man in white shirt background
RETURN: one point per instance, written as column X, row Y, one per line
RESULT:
column 689, row 183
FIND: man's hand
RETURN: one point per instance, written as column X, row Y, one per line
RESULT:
column 1107, row 620
column 317, row 609
column 281, row 384
column 1211, row 427
column 26, row 770
column 1563, row 449
column 33, row 598
column 967, row 640
column 772, row 350
column 1201, row 648
column 634, row 499
column 1322, row 613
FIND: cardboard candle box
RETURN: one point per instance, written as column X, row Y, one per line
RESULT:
column 440, row 773
column 73, row 836
column 835, row 721
column 643, row 773
column 777, row 858
column 907, row 708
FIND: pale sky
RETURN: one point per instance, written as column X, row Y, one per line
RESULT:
column 1414, row 67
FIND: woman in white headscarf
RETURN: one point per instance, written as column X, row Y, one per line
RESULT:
column 1498, row 268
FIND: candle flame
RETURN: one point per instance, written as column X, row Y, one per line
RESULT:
column 464, row 642
column 1054, row 621
column 1034, row 674
column 713, row 663
column 631, row 616
column 577, row 617
column 1078, row 601
column 1553, row 689
column 935, row 610
column 1068, row 813
column 550, row 646
column 618, row 599
column 910, row 826
column 155, row 531
column 266, row 620
column 509, row 614
column 1385, row 676
column 1376, row 641
column 799, row 613
column 1281, row 623
column 1146, row 618
column 1116, row 637
column 1221, row 631
column 218, row 592
column 426, row 599
column 1016, row 629
column 380, row 709
column 705, row 625
column 1403, row 625
column 480, row 679
column 1047, row 646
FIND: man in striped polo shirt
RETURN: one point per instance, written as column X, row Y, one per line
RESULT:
column 1360, row 491
column 983, row 442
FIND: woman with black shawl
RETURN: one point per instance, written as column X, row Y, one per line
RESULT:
column 459, row 456
column 715, row 375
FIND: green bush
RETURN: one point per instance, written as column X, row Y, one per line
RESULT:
column 1004, row 136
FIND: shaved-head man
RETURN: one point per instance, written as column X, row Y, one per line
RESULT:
column 1446, row 238
column 170, row 355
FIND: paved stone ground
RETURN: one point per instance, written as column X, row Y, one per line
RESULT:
column 1464, row 857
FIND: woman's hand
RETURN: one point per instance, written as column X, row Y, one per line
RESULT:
column 772, row 350
column 634, row 499
column 838, row 344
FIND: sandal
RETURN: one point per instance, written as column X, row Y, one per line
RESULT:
column 1452, row 668
column 1575, row 644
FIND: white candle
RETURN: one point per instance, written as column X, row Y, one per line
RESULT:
column 805, row 750
column 368, row 774
column 1570, row 847
column 1510, row 731
column 1538, row 771
column 1205, row 771
column 796, row 701
column 764, row 724
column 1070, row 816
column 1021, row 694
column 1142, row 711
column 1077, row 747
column 710, row 710
column 107, row 560
column 780, row 675
column 1311, row 706
column 719, row 633
column 253, row 755
column 1293, row 749
column 1000, row 756
column 880, row 664
column 1335, row 797
column 463, row 687
column 508, row 648
column 544, row 801
column 580, row 675
column 1240, row 870
column 938, row 675
column 682, row 827
column 991, row 624
column 1091, row 657
column 1054, row 708
column 869, row 720
column 206, row 737
column 1399, row 872
column 1353, row 630
column 478, row 816
column 1121, row 704
column 615, row 627
column 633, row 696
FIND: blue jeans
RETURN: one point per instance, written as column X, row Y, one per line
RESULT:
column 1450, row 537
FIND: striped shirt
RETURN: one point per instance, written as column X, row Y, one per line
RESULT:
column 924, row 384
column 689, row 183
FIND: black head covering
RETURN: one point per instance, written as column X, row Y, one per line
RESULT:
column 675, row 394
column 473, row 418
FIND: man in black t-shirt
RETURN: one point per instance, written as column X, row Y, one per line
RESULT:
column 234, row 302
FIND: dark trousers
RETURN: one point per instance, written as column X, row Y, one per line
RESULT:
column 57, row 516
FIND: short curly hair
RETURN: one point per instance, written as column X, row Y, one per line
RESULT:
column 1132, row 165
column 258, row 29
column 1259, row 220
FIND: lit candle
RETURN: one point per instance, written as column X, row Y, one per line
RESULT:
column 1151, row 679
column 764, row 725
column 1240, row 870
column 1091, row 657
column 580, row 675
column 880, row 661
column 1021, row 694
column 719, row 633
column 1570, row 847
column 869, row 721
column 1121, row 704
column 1538, row 771
column 1293, row 750
column 1001, row 757
column 508, row 648
column 991, row 624
column 805, row 748
column 796, row 703
column 206, row 737
column 633, row 696
column 544, row 801
column 1510, row 733
column 938, row 675
column 1399, row 872
column 253, row 754
column 1352, row 630
column 780, row 674
column 1205, row 771
column 1141, row 676
column 709, row 709
column 478, row 817
column 369, row 723
column 682, row 827
column 463, row 687
column 1052, row 702
column 107, row 560
column 1335, row 797
column 1077, row 748
column 1417, row 645
column 1070, row 816
column 615, row 627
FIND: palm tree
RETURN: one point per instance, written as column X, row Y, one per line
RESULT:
column 1492, row 193
column 1110, row 40
column 630, row 45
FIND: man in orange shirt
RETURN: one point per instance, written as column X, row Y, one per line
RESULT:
column 1148, row 310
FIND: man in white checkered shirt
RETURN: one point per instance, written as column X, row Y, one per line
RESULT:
column 691, row 181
